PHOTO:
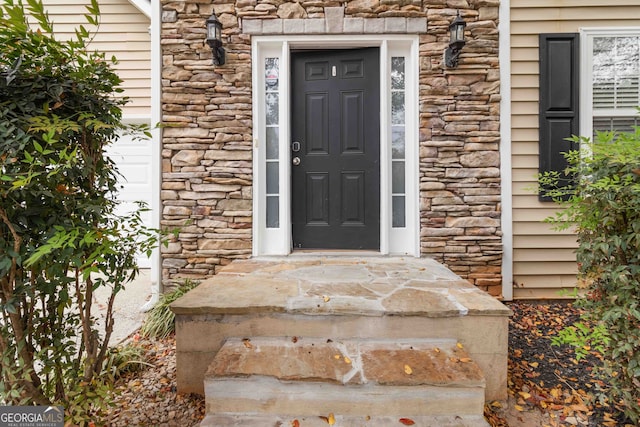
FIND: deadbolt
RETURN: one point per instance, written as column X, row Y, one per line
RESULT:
column 296, row 161
column 295, row 146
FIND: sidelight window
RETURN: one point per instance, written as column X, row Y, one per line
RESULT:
column 272, row 122
column 398, row 142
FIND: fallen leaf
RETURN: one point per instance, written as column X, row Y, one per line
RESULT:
column 518, row 408
column 459, row 345
column 465, row 359
column 337, row 357
column 437, row 350
column 326, row 298
column 496, row 404
column 329, row 420
column 534, row 364
column 524, row 395
column 295, row 423
column 347, row 360
column 294, row 340
column 408, row 370
column 407, row 421
column 247, row 343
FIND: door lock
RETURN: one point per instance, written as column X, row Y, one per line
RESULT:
column 295, row 146
column 295, row 161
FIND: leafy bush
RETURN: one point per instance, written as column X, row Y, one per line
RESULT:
column 603, row 206
column 160, row 321
column 583, row 337
column 60, row 238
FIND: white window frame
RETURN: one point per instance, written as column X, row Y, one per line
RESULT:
column 277, row 241
column 586, row 75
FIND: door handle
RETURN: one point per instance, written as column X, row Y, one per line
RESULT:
column 295, row 146
column 295, row 161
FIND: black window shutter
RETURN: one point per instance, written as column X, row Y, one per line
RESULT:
column 559, row 99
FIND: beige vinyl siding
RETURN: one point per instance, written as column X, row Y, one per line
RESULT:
column 123, row 33
column 544, row 259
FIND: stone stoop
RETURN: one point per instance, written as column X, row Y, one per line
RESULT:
column 367, row 339
column 274, row 381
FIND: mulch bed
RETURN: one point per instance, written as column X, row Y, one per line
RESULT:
column 549, row 378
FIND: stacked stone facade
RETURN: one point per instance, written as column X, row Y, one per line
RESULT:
column 207, row 114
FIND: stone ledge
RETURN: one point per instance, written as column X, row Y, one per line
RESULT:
column 334, row 24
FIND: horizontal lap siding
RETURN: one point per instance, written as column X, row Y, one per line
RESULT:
column 123, row 33
column 544, row 259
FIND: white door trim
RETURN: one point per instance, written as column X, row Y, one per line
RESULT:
column 277, row 240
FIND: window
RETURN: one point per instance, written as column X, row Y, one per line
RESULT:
column 615, row 74
column 611, row 79
column 272, row 131
column 398, row 135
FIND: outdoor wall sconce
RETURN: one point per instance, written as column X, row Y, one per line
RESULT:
column 214, row 39
column 456, row 41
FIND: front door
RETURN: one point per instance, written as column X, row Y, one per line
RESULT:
column 336, row 149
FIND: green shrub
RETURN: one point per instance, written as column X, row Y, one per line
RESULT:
column 60, row 237
column 160, row 321
column 583, row 338
column 603, row 206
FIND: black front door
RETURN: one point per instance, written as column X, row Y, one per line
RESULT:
column 336, row 149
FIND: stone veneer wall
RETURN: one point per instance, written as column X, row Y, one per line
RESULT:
column 207, row 150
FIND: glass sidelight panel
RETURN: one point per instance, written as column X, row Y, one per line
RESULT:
column 398, row 142
column 272, row 132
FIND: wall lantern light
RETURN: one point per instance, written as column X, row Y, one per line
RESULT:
column 214, row 39
column 456, row 41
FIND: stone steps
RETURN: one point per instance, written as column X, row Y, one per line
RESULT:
column 342, row 298
column 263, row 381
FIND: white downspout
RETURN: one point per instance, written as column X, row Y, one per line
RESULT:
column 505, row 150
column 156, row 149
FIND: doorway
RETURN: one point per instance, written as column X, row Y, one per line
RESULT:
column 335, row 149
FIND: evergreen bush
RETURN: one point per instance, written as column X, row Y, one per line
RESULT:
column 603, row 205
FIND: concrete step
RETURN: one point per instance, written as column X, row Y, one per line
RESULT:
column 312, row 377
column 255, row 420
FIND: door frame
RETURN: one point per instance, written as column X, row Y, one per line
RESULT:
column 276, row 240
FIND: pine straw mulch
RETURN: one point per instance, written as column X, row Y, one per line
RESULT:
column 548, row 378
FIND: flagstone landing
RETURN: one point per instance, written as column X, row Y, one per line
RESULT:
column 337, row 299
